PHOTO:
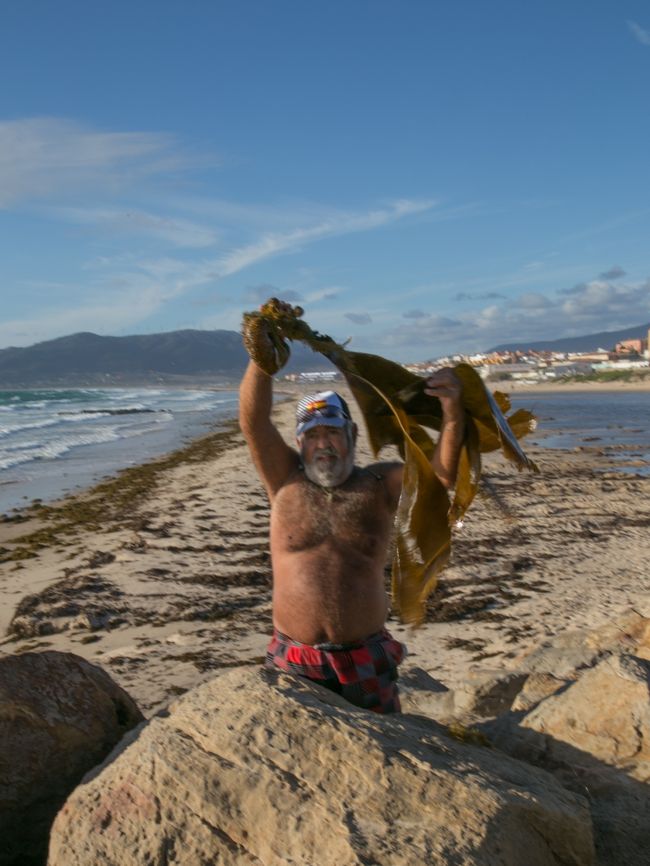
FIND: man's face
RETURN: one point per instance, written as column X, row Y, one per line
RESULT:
column 327, row 454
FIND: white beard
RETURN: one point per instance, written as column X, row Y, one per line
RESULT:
column 328, row 473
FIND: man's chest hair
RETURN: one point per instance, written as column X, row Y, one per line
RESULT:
column 355, row 510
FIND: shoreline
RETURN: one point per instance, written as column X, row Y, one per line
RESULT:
column 57, row 442
column 82, row 509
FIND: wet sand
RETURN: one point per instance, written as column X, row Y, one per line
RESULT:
column 163, row 575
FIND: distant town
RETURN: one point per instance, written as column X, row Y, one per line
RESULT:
column 531, row 367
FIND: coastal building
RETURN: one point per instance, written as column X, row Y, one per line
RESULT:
column 589, row 357
column 631, row 347
column 623, row 364
column 319, row 376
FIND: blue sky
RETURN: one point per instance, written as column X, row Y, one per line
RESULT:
column 423, row 177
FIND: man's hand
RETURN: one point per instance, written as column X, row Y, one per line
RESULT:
column 447, row 387
column 263, row 339
column 277, row 304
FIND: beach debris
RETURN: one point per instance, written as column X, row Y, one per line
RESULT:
column 396, row 410
column 464, row 734
column 80, row 602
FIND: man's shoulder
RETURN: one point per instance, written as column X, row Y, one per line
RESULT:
column 295, row 477
column 389, row 473
column 384, row 468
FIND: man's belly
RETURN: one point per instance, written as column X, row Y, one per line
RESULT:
column 329, row 597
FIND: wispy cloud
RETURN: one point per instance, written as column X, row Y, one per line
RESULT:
column 329, row 293
column 43, row 156
column 192, row 274
column 122, row 306
column 272, row 244
column 142, row 242
column 639, row 33
column 478, row 296
column 153, row 281
column 612, row 274
column 359, row 318
column 130, row 221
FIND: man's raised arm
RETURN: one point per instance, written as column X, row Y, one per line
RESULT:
column 446, row 386
column 273, row 458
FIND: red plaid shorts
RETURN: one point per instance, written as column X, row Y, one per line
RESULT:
column 363, row 672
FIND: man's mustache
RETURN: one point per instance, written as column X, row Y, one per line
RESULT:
column 326, row 452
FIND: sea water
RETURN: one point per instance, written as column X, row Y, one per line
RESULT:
column 616, row 422
column 53, row 441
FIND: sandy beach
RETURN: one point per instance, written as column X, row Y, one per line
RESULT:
column 638, row 385
column 162, row 576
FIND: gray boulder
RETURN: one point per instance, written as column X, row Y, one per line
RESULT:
column 59, row 717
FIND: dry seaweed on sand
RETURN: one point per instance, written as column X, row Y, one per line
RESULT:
column 396, row 410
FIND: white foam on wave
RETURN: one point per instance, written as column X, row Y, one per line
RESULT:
column 18, row 427
column 56, row 447
column 11, row 429
column 16, row 453
column 35, row 442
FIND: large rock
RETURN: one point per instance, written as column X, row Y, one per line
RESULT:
column 604, row 714
column 572, row 651
column 59, row 717
column 593, row 733
column 597, row 731
column 579, row 707
column 261, row 768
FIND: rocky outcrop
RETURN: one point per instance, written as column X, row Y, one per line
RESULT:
column 262, row 768
column 59, row 717
column 605, row 714
column 483, row 694
column 579, row 707
column 595, row 736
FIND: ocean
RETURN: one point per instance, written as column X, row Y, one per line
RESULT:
column 53, row 442
column 616, row 423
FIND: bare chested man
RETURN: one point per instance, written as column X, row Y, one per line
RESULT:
column 330, row 528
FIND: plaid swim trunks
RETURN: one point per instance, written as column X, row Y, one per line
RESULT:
column 363, row 672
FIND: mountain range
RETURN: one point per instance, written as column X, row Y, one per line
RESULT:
column 175, row 357
column 190, row 356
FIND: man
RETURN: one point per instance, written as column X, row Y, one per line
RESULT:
column 330, row 528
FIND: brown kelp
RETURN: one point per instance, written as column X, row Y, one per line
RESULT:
column 396, row 410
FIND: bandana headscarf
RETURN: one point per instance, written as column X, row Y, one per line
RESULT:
column 326, row 409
